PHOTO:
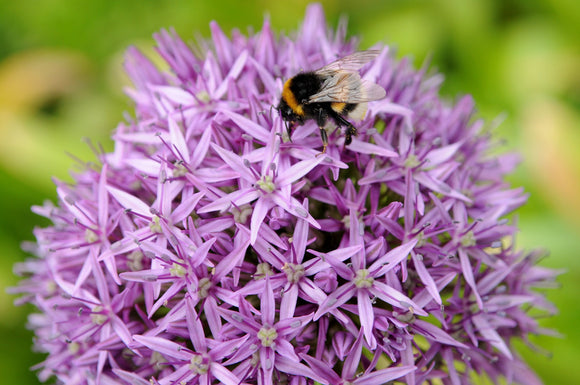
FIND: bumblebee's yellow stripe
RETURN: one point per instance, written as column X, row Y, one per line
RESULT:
column 338, row 107
column 290, row 99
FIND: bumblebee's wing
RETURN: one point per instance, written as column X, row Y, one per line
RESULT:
column 347, row 87
column 350, row 63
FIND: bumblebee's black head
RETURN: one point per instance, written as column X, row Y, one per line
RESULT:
column 288, row 114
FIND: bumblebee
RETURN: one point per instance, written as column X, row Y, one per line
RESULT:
column 335, row 91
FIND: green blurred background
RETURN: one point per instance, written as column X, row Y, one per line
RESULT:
column 61, row 81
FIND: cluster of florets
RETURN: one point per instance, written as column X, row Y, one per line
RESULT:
column 210, row 247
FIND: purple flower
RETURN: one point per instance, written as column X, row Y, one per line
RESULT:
column 210, row 247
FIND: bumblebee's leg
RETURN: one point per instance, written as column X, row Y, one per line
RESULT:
column 289, row 131
column 321, row 120
column 350, row 129
column 350, row 132
column 324, row 138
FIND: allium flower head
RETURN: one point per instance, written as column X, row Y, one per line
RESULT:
column 209, row 247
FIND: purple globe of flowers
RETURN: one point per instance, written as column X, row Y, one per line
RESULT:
column 209, row 247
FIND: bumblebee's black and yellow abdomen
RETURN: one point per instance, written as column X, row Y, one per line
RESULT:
column 342, row 108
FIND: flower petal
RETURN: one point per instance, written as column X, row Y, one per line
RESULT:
column 392, row 258
column 164, row 346
column 367, row 317
column 130, row 202
column 395, row 298
column 384, row 376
